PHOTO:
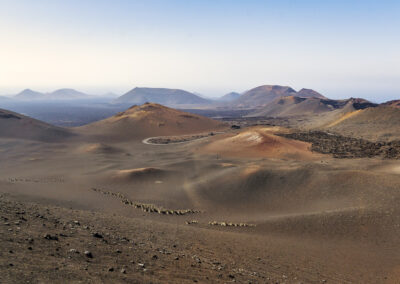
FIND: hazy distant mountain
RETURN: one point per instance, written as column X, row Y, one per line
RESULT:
column 262, row 95
column 229, row 97
column 29, row 94
column 169, row 97
column 66, row 94
column 61, row 94
column 110, row 95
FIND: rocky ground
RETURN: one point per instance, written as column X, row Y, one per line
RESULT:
column 346, row 147
column 47, row 244
column 41, row 244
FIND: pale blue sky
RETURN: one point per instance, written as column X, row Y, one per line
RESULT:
column 337, row 47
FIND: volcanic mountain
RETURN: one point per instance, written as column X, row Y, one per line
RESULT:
column 378, row 123
column 14, row 125
column 148, row 120
column 300, row 106
column 168, row 97
column 262, row 95
column 394, row 103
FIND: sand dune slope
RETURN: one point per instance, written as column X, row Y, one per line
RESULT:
column 99, row 148
column 259, row 142
column 380, row 123
column 139, row 174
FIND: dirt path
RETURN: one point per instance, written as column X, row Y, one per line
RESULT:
column 166, row 140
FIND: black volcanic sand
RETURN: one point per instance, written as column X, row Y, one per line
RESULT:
column 328, row 220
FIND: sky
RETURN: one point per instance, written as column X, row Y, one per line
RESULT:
column 340, row 48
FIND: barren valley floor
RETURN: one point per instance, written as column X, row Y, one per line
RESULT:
column 296, row 217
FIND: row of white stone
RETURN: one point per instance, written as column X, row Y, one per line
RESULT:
column 230, row 224
column 147, row 207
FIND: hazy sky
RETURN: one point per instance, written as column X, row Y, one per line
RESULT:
column 339, row 48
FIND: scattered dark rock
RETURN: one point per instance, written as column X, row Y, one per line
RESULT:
column 346, row 147
column 88, row 254
column 8, row 115
column 97, row 235
column 51, row 237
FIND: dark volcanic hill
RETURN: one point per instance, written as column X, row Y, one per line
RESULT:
column 168, row 97
column 14, row 125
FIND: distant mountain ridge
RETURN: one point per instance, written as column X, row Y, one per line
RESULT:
column 295, row 106
column 62, row 94
column 164, row 96
column 29, row 94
